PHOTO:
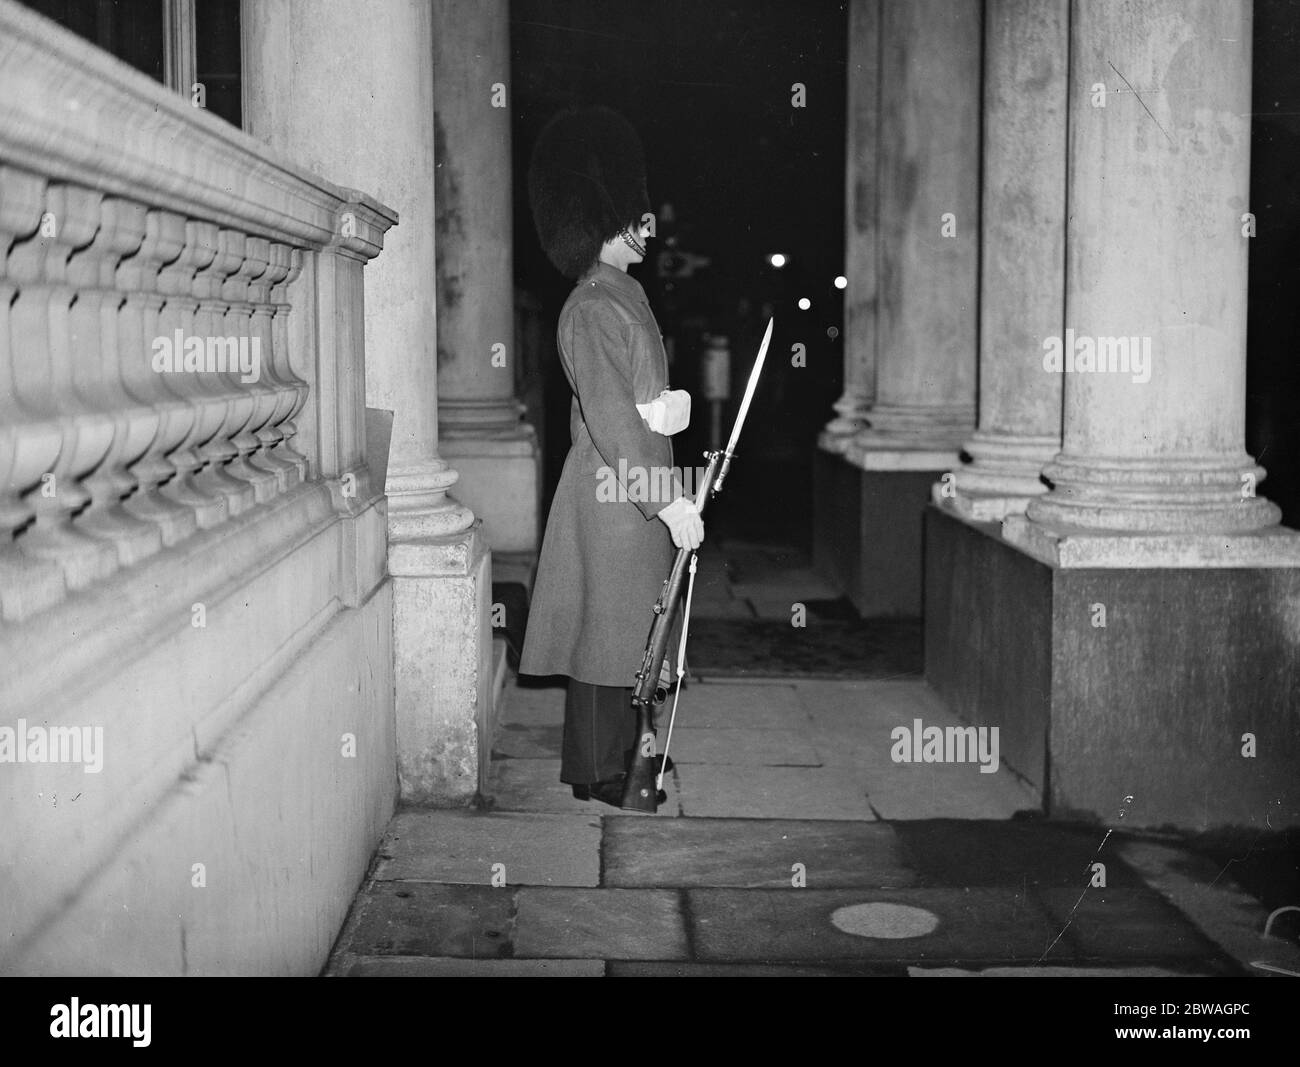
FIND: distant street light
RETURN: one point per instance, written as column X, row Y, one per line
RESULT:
column 777, row 259
column 841, row 282
column 804, row 303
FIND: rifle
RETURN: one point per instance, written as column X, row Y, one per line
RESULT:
column 640, row 790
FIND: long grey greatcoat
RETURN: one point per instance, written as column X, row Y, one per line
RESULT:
column 604, row 561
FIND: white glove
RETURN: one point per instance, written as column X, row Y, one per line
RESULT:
column 683, row 520
column 669, row 412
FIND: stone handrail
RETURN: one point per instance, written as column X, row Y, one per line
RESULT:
column 156, row 343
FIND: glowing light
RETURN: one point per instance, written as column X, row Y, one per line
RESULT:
column 777, row 259
column 804, row 303
column 841, row 282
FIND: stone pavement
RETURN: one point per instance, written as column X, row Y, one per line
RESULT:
column 791, row 843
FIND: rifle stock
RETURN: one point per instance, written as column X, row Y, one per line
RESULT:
column 639, row 790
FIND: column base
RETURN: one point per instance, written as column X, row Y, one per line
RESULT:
column 1002, row 477
column 500, row 481
column 1154, row 704
column 418, row 504
column 837, row 436
column 442, row 639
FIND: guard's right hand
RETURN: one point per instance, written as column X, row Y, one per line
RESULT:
column 683, row 520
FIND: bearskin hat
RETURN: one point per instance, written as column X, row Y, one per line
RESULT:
column 585, row 181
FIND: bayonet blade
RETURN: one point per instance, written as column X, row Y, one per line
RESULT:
column 750, row 388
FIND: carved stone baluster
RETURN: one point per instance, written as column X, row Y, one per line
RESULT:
column 176, row 323
column 272, row 408
column 139, row 325
column 99, row 382
column 286, row 427
column 43, row 384
column 28, row 448
column 219, row 451
column 239, row 324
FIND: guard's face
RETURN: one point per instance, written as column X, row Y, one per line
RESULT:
column 619, row 254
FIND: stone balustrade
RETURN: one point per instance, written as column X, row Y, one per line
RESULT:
column 148, row 389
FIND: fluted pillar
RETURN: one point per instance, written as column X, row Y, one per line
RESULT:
column 496, row 454
column 860, row 234
column 1153, row 469
column 372, row 63
column 1022, row 258
column 928, row 229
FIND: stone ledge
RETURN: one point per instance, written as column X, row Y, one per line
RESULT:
column 902, row 459
column 1274, row 547
column 128, row 611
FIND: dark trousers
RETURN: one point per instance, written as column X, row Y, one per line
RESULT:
column 599, row 731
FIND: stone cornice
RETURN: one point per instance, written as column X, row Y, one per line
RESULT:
column 75, row 113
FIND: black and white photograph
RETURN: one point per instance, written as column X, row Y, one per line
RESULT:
column 650, row 488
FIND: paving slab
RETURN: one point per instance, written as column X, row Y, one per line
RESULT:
column 946, row 791
column 739, row 745
column 608, row 924
column 772, row 792
column 445, row 967
column 1055, row 972
column 534, row 785
column 1116, row 924
column 517, row 741
column 534, row 704
column 1211, row 899
column 681, row 969
column 886, row 702
column 428, row 919
column 751, row 707
column 997, row 925
column 1020, row 852
column 464, row 846
column 751, row 853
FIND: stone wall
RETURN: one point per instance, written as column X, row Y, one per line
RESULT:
column 193, row 576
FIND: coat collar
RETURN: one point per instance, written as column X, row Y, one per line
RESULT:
column 618, row 280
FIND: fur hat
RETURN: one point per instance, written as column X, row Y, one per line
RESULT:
column 585, row 181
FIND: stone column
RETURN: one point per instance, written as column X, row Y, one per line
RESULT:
column 1022, row 258
column 372, row 64
column 1153, row 470
column 497, row 454
column 929, row 229
column 916, row 292
column 860, row 240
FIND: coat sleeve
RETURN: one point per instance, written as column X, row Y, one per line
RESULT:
column 600, row 345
